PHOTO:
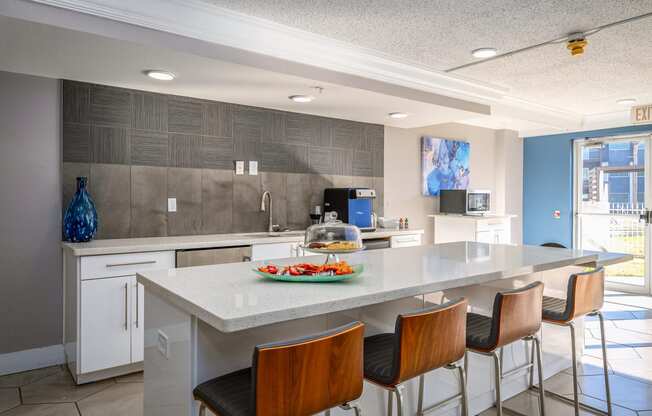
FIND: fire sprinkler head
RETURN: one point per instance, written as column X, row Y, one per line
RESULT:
column 576, row 43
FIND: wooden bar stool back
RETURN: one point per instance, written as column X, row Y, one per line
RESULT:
column 422, row 341
column 301, row 377
column 585, row 296
column 515, row 317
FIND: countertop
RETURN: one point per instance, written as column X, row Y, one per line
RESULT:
column 141, row 245
column 230, row 297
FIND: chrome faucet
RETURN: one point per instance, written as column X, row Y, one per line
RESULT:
column 270, row 225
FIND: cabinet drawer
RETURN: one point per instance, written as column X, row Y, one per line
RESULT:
column 488, row 225
column 97, row 267
column 410, row 240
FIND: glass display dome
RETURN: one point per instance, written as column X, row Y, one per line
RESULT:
column 333, row 237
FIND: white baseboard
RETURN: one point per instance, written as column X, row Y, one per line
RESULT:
column 16, row 362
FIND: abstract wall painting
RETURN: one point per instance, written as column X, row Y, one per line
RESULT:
column 444, row 164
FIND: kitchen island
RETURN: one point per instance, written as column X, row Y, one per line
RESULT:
column 202, row 322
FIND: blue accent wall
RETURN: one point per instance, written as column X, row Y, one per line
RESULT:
column 548, row 183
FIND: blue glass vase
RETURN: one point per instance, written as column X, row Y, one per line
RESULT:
column 80, row 220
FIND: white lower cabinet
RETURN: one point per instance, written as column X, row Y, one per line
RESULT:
column 105, row 323
column 275, row 251
column 104, row 312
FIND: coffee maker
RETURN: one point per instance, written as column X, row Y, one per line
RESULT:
column 352, row 205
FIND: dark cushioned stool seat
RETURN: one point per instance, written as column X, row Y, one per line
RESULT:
column 478, row 331
column 554, row 309
column 379, row 356
column 229, row 395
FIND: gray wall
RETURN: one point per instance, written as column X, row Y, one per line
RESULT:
column 139, row 148
column 30, row 220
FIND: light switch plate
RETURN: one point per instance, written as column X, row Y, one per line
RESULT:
column 253, row 167
column 239, row 167
column 172, row 205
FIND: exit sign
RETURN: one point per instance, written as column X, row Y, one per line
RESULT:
column 642, row 114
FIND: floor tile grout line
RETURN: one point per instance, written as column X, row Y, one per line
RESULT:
column 78, row 409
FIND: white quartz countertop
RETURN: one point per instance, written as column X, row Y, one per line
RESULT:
column 230, row 297
column 140, row 245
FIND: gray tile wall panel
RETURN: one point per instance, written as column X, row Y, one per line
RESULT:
column 186, row 186
column 149, row 148
column 76, row 142
column 299, row 155
column 150, row 112
column 247, row 216
column 110, row 191
column 217, row 153
column 362, row 163
column 110, row 106
column 76, row 101
column 184, row 115
column 217, row 119
column 185, row 151
column 148, row 201
column 217, row 201
column 110, row 145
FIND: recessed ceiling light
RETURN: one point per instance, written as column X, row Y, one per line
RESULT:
column 484, row 52
column 397, row 115
column 160, row 75
column 626, row 101
column 301, row 98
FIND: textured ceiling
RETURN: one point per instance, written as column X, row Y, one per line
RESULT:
column 441, row 33
column 44, row 50
column 617, row 64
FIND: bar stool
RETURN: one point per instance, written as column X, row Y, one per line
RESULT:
column 423, row 341
column 516, row 316
column 585, row 296
column 295, row 378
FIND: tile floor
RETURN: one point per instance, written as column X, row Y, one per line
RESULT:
column 51, row 391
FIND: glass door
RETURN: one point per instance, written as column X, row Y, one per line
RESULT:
column 611, row 194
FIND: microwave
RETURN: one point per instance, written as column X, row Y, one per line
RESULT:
column 464, row 202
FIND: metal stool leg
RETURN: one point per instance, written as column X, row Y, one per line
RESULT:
column 420, row 402
column 532, row 362
column 353, row 406
column 497, row 377
column 465, row 401
column 542, row 395
column 576, row 397
column 605, row 362
column 390, row 402
column 399, row 400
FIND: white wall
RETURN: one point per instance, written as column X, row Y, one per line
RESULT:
column 496, row 164
column 30, row 224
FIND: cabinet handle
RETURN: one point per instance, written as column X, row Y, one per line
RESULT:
column 126, row 306
column 137, row 308
column 136, row 263
column 246, row 259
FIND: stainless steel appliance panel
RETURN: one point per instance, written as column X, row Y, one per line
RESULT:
column 205, row 257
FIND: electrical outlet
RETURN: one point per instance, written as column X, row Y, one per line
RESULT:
column 239, row 167
column 172, row 205
column 163, row 344
column 253, row 167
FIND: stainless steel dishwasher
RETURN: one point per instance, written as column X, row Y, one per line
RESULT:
column 208, row 256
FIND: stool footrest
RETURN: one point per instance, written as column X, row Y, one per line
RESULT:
column 516, row 370
column 440, row 404
column 567, row 400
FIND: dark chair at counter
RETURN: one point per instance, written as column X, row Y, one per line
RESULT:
column 516, row 316
column 584, row 297
column 423, row 341
column 300, row 377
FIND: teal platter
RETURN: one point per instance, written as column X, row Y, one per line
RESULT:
column 357, row 270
